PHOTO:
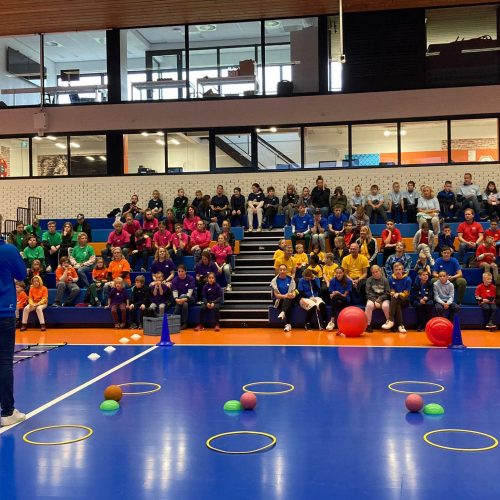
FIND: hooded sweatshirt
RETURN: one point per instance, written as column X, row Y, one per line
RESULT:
column 377, row 289
column 38, row 295
column 444, row 294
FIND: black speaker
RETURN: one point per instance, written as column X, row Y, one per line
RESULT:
column 285, row 88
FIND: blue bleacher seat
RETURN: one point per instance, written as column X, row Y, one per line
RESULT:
column 95, row 222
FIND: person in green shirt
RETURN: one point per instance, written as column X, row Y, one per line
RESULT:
column 83, row 259
column 32, row 252
column 17, row 237
column 34, row 228
column 51, row 241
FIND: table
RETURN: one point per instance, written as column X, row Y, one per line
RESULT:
column 55, row 92
column 226, row 80
column 159, row 85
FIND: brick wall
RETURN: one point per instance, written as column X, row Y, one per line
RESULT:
column 64, row 197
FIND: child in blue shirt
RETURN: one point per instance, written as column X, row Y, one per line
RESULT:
column 339, row 288
column 422, row 298
column 309, row 289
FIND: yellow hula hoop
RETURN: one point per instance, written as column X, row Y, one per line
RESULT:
column 55, row 443
column 290, row 388
column 465, row 431
column 262, row 448
column 156, row 386
column 439, row 386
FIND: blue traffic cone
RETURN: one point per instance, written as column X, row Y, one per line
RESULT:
column 165, row 334
column 456, row 341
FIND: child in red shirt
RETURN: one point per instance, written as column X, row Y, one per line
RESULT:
column 486, row 255
column 22, row 298
column 485, row 296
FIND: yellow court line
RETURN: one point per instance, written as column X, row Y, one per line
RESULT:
column 439, row 386
column 464, row 431
column 262, row 448
column 56, row 443
column 156, row 386
column 290, row 388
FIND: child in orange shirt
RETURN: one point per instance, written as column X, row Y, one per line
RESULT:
column 22, row 298
column 99, row 279
column 66, row 280
column 38, row 300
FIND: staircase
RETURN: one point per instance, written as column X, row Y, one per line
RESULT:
column 247, row 304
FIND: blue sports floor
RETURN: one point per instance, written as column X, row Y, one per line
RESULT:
column 341, row 434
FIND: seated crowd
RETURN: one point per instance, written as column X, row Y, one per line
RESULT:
column 202, row 229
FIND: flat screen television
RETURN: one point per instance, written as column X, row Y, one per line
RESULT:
column 20, row 65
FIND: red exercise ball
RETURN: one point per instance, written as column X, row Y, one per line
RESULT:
column 439, row 331
column 352, row 321
column 414, row 402
column 248, row 400
column 113, row 392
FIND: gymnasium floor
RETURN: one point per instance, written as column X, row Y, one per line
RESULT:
column 341, row 433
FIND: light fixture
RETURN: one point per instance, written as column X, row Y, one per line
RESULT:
column 257, row 130
column 52, row 43
column 160, row 133
column 145, row 134
column 103, row 158
column 74, row 145
column 403, row 132
column 37, row 138
column 51, row 138
column 160, row 142
column 90, row 158
column 273, row 129
column 387, row 133
column 175, row 142
column 271, row 23
column 206, row 27
column 60, row 145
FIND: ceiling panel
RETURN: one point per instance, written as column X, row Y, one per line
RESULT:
column 29, row 16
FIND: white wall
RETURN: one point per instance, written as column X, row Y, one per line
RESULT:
column 64, row 198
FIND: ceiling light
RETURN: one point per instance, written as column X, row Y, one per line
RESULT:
column 51, row 138
column 403, row 132
column 387, row 133
column 273, row 129
column 160, row 142
column 74, row 145
column 52, row 43
column 257, row 130
column 90, row 158
column 206, row 27
column 270, row 24
column 60, row 145
column 145, row 134
column 37, row 138
column 103, row 158
column 160, row 133
column 175, row 142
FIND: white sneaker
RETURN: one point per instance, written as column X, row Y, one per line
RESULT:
column 281, row 315
column 331, row 325
column 15, row 418
column 401, row 329
column 259, row 229
column 288, row 327
column 48, row 269
column 388, row 325
column 229, row 288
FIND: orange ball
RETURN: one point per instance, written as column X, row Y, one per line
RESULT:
column 414, row 402
column 113, row 392
column 248, row 400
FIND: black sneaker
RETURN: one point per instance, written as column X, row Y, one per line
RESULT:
column 56, row 304
column 369, row 329
column 308, row 326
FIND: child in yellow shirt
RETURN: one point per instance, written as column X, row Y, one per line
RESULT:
column 315, row 267
column 329, row 269
column 316, row 250
column 280, row 252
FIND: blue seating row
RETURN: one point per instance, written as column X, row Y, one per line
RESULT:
column 470, row 317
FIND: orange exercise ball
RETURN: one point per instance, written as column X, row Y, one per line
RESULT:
column 352, row 321
column 439, row 331
column 113, row 392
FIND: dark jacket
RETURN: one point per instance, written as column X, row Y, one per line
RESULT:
column 320, row 197
column 85, row 229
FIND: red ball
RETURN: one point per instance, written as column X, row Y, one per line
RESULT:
column 439, row 331
column 248, row 400
column 414, row 402
column 113, row 392
column 352, row 321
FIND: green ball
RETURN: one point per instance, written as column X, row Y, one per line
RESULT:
column 109, row 405
column 233, row 405
column 433, row 409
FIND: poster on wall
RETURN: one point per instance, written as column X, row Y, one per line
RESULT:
column 52, row 165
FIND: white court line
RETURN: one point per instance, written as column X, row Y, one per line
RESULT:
column 66, row 395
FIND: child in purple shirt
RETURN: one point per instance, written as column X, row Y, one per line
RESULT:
column 118, row 301
column 202, row 270
column 212, row 297
column 158, row 294
column 183, row 292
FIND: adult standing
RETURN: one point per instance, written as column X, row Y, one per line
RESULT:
column 320, row 196
column 11, row 268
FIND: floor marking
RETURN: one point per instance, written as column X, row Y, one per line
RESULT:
column 66, row 395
